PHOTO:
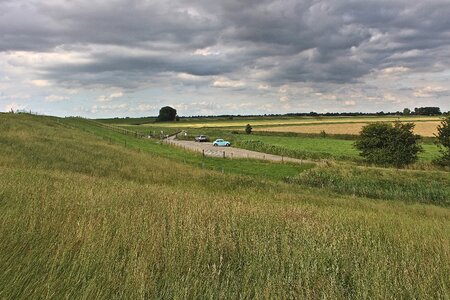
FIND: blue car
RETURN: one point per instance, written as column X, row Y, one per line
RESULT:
column 221, row 143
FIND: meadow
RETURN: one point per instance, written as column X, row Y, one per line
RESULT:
column 88, row 212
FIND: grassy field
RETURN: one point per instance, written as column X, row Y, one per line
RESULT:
column 302, row 140
column 84, row 216
column 317, row 147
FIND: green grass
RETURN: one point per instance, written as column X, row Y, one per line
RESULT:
column 133, row 121
column 264, row 169
column 318, row 147
column 407, row 185
column 306, row 146
column 83, row 218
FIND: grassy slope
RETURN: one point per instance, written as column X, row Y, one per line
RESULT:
column 263, row 169
column 82, row 218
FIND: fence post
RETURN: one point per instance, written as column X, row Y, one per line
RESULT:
column 223, row 154
column 203, row 152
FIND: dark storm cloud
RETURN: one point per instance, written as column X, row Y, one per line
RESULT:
column 291, row 41
column 131, row 71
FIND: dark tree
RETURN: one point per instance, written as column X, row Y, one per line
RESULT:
column 248, row 129
column 387, row 144
column 406, row 111
column 443, row 140
column 167, row 113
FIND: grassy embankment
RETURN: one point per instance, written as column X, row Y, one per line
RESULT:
column 264, row 169
column 82, row 218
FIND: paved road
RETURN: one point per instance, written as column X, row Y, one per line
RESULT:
column 229, row 152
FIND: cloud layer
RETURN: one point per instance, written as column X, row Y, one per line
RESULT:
column 272, row 56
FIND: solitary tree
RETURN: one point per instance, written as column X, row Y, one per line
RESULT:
column 443, row 140
column 248, row 129
column 384, row 143
column 167, row 113
column 406, row 111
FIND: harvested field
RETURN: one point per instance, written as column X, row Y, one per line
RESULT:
column 261, row 121
column 427, row 128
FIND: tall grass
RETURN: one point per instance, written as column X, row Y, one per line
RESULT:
column 82, row 218
column 407, row 185
column 301, row 153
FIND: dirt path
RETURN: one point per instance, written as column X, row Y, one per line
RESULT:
column 229, row 152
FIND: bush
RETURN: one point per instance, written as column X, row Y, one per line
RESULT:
column 443, row 141
column 248, row 129
column 387, row 144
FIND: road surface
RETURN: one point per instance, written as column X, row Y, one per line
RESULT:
column 229, row 152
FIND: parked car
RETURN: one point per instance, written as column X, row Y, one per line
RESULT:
column 201, row 138
column 221, row 143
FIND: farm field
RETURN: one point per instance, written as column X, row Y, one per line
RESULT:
column 423, row 128
column 307, row 146
column 87, row 212
column 275, row 121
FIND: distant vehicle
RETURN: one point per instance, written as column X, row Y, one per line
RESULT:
column 201, row 138
column 221, row 143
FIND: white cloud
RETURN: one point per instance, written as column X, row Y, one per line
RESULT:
column 186, row 76
column 206, row 51
column 109, row 108
column 263, row 86
column 40, row 83
column 14, row 106
column 227, row 83
column 55, row 98
column 104, row 98
column 395, row 70
column 349, row 103
column 284, row 98
column 430, row 91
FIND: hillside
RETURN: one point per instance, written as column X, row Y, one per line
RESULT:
column 87, row 213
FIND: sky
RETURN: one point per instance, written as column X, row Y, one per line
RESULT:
column 117, row 58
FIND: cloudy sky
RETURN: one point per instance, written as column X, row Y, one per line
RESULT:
column 101, row 58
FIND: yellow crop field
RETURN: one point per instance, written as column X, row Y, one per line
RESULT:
column 261, row 121
column 425, row 128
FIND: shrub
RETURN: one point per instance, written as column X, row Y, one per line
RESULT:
column 248, row 129
column 443, row 141
column 387, row 144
